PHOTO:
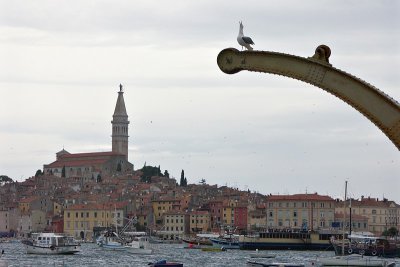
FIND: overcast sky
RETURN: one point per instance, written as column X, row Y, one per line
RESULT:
column 61, row 63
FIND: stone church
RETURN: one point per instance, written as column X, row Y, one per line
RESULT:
column 98, row 164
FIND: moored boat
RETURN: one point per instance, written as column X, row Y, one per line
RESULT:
column 367, row 246
column 356, row 260
column 274, row 264
column 227, row 242
column 286, row 239
column 164, row 263
column 51, row 243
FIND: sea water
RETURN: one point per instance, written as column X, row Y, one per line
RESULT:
column 92, row 255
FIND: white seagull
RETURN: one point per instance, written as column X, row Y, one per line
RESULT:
column 244, row 40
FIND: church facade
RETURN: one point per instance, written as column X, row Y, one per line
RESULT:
column 94, row 165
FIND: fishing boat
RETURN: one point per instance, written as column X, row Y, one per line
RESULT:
column 356, row 260
column 137, row 244
column 227, row 242
column 51, row 243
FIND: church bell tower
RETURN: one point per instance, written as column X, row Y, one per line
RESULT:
column 120, row 126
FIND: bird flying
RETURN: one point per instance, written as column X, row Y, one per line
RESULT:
column 244, row 40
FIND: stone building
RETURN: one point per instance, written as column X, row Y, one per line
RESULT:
column 306, row 211
column 94, row 165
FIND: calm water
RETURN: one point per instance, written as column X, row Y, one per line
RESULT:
column 92, row 255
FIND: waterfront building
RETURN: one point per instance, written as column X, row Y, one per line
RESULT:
column 228, row 214
column 301, row 211
column 359, row 223
column 80, row 219
column 94, row 165
column 176, row 225
column 382, row 214
column 240, row 217
column 199, row 221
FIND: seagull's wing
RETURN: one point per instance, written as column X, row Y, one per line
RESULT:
column 247, row 40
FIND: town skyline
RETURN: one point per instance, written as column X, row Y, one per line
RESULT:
column 249, row 130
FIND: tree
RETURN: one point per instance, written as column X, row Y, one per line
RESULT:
column 98, row 180
column 203, row 181
column 63, row 172
column 38, row 173
column 166, row 173
column 5, row 179
column 182, row 181
column 392, row 231
column 148, row 172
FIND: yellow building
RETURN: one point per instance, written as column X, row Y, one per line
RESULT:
column 80, row 219
column 228, row 216
column 161, row 206
column 310, row 211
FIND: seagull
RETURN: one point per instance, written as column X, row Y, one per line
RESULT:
column 244, row 40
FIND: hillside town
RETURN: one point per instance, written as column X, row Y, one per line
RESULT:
column 83, row 193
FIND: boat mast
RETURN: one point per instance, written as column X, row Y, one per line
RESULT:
column 344, row 215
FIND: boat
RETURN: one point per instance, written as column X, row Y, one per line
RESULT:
column 132, row 242
column 283, row 239
column 138, row 244
column 198, row 241
column 213, row 249
column 274, row 264
column 356, row 260
column 227, row 242
column 51, row 243
column 164, row 263
column 367, row 246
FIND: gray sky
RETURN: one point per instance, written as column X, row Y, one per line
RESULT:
column 62, row 61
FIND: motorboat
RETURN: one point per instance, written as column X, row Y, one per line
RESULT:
column 356, row 260
column 164, row 263
column 227, row 242
column 51, row 243
column 274, row 264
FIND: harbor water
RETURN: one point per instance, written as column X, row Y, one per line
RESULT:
column 92, row 255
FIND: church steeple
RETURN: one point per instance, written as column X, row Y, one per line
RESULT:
column 120, row 126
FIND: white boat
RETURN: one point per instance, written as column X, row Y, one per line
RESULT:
column 356, row 260
column 138, row 244
column 51, row 243
column 274, row 264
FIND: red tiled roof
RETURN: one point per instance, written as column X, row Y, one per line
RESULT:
column 299, row 197
column 91, row 154
column 59, row 164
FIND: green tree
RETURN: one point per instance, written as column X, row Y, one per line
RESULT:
column 38, row 173
column 166, row 173
column 148, row 172
column 5, row 179
column 202, row 181
column 392, row 231
column 182, row 181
